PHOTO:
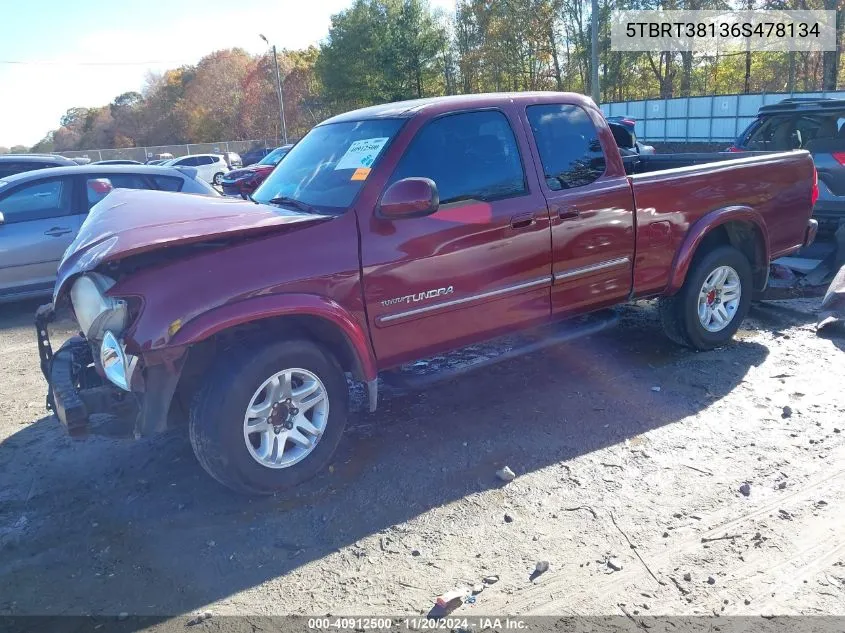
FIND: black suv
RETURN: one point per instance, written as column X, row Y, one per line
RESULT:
column 817, row 125
column 17, row 163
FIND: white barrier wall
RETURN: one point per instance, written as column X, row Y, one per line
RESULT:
column 699, row 119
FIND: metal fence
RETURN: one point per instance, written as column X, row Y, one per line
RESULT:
column 143, row 154
column 699, row 119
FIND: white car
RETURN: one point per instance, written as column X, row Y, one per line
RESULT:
column 210, row 167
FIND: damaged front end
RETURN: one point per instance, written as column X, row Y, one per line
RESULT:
column 93, row 373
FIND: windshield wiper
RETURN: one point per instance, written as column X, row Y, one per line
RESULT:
column 292, row 202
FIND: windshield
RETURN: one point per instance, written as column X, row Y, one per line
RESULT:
column 328, row 167
column 274, row 157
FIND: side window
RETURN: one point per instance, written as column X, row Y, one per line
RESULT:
column 168, row 183
column 191, row 161
column 37, row 201
column 569, row 145
column 472, row 155
column 118, row 181
column 205, row 160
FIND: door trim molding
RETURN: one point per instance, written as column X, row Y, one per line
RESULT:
column 585, row 270
column 534, row 283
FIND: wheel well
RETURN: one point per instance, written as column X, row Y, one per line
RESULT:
column 313, row 328
column 746, row 238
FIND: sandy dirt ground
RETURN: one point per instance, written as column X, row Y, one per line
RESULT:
column 630, row 454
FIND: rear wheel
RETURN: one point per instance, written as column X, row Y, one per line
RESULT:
column 269, row 417
column 713, row 301
column 218, row 178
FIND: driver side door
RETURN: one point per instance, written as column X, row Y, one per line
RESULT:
column 480, row 265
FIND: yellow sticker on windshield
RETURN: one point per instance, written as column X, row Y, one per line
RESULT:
column 361, row 173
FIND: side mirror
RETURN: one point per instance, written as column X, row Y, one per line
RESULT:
column 409, row 198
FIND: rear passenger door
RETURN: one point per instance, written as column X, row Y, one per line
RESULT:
column 37, row 228
column 591, row 209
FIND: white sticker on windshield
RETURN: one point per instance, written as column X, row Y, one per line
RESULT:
column 361, row 153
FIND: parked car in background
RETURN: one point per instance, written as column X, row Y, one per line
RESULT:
column 117, row 161
column 816, row 125
column 157, row 161
column 17, row 163
column 233, row 160
column 625, row 132
column 388, row 235
column 210, row 167
column 254, row 155
column 242, row 182
column 41, row 212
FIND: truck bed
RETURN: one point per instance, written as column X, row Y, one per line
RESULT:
column 642, row 164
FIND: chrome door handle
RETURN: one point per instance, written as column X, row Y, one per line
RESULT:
column 57, row 231
column 568, row 214
column 522, row 221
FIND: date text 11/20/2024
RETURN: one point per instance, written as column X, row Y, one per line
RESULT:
column 417, row 624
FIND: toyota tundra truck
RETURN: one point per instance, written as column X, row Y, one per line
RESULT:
column 392, row 234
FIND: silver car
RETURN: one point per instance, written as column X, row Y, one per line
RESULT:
column 41, row 212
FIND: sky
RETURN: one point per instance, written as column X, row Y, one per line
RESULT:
column 87, row 52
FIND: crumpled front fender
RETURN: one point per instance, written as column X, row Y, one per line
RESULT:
column 263, row 307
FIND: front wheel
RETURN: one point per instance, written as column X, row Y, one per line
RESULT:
column 713, row 301
column 218, row 178
column 270, row 416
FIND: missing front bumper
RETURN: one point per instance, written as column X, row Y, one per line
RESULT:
column 75, row 390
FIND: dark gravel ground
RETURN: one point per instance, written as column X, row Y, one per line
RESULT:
column 608, row 467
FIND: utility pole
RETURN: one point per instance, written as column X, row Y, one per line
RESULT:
column 594, row 62
column 279, row 86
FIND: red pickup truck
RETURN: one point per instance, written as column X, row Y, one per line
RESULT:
column 391, row 234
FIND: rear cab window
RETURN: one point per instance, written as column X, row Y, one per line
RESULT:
column 568, row 144
column 468, row 155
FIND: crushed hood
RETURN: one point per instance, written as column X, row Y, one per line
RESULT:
column 129, row 222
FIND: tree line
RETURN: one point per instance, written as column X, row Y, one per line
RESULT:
column 388, row 50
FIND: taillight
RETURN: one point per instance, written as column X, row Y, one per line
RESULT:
column 815, row 194
column 734, row 148
column 839, row 157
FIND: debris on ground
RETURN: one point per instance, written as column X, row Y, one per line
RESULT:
column 491, row 580
column 711, row 580
column 505, row 474
column 541, row 567
column 745, row 489
column 655, row 389
column 615, row 564
column 508, row 518
column 477, row 589
column 451, row 598
column 688, row 577
column 787, row 412
column 833, row 304
column 202, row 617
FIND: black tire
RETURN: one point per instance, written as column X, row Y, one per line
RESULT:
column 218, row 409
column 218, row 178
column 679, row 313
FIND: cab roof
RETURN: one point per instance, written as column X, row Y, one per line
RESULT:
column 413, row 107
